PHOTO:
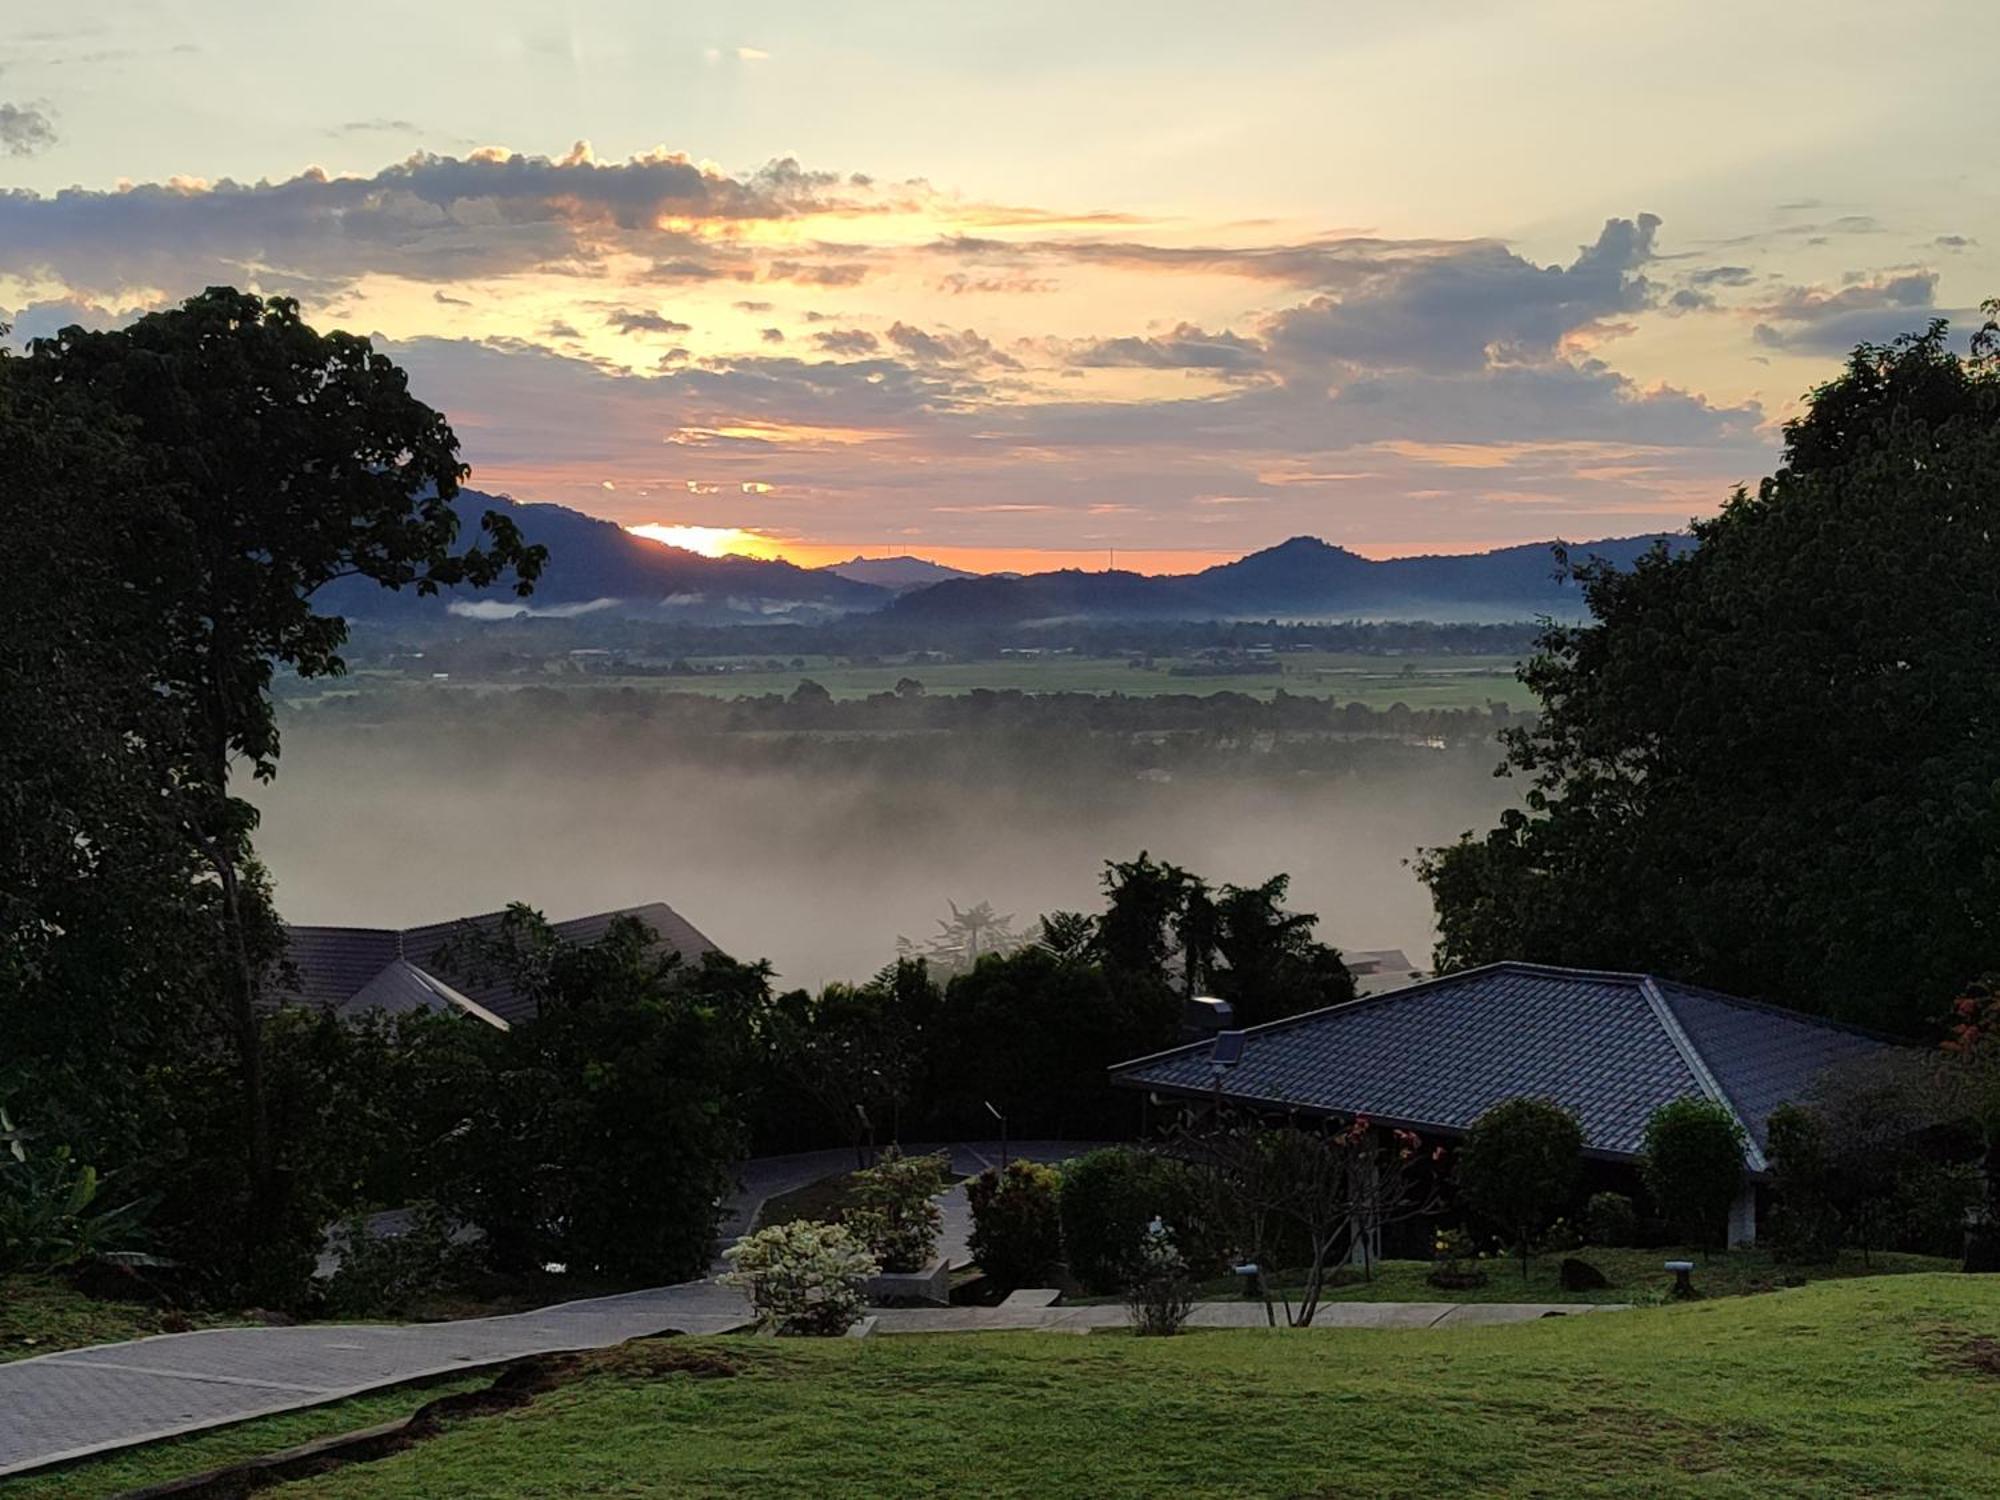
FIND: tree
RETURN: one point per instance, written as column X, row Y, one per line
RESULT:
column 105, row 970
column 856, row 1052
column 605, row 1131
column 1692, row 1164
column 1519, row 1166
column 1768, row 763
column 274, row 460
column 1270, row 965
column 1805, row 1224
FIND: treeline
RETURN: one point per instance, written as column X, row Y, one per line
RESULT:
column 532, row 639
column 810, row 709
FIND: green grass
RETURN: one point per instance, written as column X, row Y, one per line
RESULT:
column 115, row 1474
column 1635, row 1276
column 40, row 1314
column 1874, row 1386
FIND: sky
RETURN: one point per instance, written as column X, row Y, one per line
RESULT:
column 1027, row 285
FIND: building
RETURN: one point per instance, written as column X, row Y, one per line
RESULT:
column 1612, row 1048
column 351, row 970
column 1379, row 969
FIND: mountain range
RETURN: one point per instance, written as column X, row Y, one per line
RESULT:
column 597, row 566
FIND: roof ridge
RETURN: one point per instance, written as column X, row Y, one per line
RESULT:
column 1663, row 1012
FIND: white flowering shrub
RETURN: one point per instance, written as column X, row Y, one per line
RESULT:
column 802, row 1278
column 1158, row 1295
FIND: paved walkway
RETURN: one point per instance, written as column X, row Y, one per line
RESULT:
column 83, row 1401
column 1235, row 1314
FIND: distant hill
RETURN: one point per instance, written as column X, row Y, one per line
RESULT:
column 596, row 565
column 1304, row 578
column 895, row 572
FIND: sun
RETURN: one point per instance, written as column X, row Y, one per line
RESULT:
column 710, row 541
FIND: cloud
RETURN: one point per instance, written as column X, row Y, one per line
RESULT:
column 751, row 307
column 25, row 130
column 445, row 299
column 1721, row 276
column 849, row 273
column 1186, row 348
column 628, row 320
column 428, row 218
column 1867, row 307
column 949, row 347
column 847, row 341
column 1479, row 304
column 772, row 335
column 376, row 127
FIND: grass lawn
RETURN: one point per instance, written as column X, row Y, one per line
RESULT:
column 1875, row 1386
column 1635, row 1276
column 40, row 1314
column 117, row 1473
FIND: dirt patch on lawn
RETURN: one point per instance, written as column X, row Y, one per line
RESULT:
column 1964, row 1352
column 516, row 1386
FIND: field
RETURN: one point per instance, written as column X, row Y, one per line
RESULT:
column 1873, row 1386
column 1419, row 681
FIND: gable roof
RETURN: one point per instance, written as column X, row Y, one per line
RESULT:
column 350, row 970
column 1610, row 1047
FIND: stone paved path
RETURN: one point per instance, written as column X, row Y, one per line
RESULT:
column 1234, row 1314
column 82, row 1401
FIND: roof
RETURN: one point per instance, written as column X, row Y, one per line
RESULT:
column 1610, row 1047
column 354, row 969
column 1379, row 969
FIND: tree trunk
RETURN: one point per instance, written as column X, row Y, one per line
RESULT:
column 245, row 1026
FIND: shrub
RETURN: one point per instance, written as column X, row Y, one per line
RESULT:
column 51, row 1209
column 1518, row 1167
column 1158, row 1294
column 1017, row 1223
column 1454, row 1261
column 1109, row 1197
column 389, row 1275
column 895, row 1211
column 802, row 1278
column 1610, row 1219
column 1693, row 1167
column 1805, row 1225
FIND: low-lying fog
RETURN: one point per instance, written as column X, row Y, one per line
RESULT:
column 819, row 868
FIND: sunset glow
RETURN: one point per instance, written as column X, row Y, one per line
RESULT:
column 1069, row 335
column 709, row 541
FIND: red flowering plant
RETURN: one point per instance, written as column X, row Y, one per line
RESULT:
column 1972, row 1053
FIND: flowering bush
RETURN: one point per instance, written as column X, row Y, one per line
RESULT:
column 1017, row 1223
column 896, row 1214
column 1159, row 1296
column 1455, row 1257
column 802, row 1277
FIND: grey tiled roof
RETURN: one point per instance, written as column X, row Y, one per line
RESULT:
column 1610, row 1047
column 354, row 969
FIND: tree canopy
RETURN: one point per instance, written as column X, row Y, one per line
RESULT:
column 1770, row 763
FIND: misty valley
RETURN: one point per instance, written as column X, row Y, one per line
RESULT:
column 817, row 848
